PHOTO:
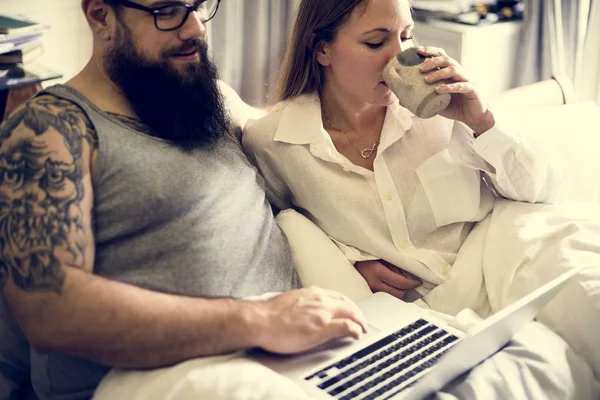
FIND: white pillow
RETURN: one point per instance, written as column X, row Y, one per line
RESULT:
column 239, row 111
column 318, row 260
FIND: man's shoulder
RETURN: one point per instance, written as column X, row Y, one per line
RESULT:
column 46, row 107
column 266, row 127
column 239, row 110
column 47, row 112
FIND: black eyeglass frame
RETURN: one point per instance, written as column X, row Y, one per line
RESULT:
column 155, row 11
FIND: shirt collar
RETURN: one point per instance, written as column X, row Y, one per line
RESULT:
column 301, row 122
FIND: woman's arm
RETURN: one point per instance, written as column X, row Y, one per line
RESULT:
column 516, row 170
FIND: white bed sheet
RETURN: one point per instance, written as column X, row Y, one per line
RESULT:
column 516, row 249
column 537, row 364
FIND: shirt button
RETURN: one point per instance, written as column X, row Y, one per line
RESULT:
column 444, row 271
column 403, row 244
column 389, row 196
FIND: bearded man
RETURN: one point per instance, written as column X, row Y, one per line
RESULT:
column 130, row 219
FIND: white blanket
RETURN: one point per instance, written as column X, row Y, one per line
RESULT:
column 513, row 251
column 537, row 364
column 518, row 248
column 529, row 244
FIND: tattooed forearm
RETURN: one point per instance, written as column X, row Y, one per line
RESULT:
column 41, row 191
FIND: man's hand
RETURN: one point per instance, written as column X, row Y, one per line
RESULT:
column 302, row 319
column 385, row 277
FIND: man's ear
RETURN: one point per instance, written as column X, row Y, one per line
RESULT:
column 100, row 17
column 323, row 53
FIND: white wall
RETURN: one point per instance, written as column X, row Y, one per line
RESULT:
column 67, row 41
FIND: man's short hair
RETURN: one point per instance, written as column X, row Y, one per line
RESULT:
column 114, row 4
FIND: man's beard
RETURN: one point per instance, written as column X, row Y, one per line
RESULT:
column 185, row 107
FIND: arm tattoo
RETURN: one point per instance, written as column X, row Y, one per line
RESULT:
column 41, row 190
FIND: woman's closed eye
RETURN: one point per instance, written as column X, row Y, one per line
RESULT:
column 377, row 45
column 374, row 45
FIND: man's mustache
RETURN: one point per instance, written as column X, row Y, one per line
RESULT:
column 188, row 47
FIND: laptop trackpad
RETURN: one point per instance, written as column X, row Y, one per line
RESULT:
column 386, row 312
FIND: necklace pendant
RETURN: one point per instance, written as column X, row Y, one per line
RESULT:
column 367, row 153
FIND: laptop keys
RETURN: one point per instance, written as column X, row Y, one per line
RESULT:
column 390, row 362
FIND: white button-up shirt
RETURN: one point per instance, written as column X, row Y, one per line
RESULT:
column 423, row 196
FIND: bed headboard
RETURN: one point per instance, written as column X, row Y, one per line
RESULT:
column 555, row 91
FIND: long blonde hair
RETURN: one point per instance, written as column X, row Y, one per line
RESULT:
column 316, row 21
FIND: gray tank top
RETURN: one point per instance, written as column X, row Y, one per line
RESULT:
column 191, row 223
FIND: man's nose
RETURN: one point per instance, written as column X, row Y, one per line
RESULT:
column 193, row 28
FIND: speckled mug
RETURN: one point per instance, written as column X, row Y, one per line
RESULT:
column 403, row 77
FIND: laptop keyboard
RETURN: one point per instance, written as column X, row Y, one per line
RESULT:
column 386, row 367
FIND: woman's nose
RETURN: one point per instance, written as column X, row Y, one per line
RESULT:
column 395, row 48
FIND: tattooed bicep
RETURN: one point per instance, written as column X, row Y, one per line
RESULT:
column 45, row 194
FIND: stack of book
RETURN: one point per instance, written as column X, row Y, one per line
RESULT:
column 20, row 42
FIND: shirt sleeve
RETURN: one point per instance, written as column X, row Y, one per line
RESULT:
column 516, row 170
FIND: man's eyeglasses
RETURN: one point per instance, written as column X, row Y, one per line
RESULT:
column 172, row 15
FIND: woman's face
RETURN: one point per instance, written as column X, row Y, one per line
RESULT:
column 376, row 31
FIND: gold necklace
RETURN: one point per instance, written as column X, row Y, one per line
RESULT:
column 364, row 153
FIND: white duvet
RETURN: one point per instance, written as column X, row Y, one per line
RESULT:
column 516, row 249
column 529, row 244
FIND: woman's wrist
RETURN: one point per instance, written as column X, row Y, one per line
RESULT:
column 482, row 124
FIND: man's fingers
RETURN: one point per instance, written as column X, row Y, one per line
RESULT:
column 343, row 327
column 349, row 310
column 338, row 305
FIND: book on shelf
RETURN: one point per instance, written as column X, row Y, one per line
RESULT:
column 28, row 74
column 23, row 46
column 6, row 47
column 22, row 55
column 18, row 38
column 10, row 25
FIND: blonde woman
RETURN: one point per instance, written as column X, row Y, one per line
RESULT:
column 384, row 184
column 401, row 196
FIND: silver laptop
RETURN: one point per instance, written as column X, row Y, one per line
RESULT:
column 408, row 353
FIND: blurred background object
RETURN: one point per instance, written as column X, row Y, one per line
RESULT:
column 562, row 38
column 506, row 44
column 250, row 36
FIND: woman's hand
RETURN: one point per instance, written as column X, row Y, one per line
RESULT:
column 466, row 105
column 385, row 277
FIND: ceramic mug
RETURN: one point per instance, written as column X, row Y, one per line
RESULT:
column 403, row 77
